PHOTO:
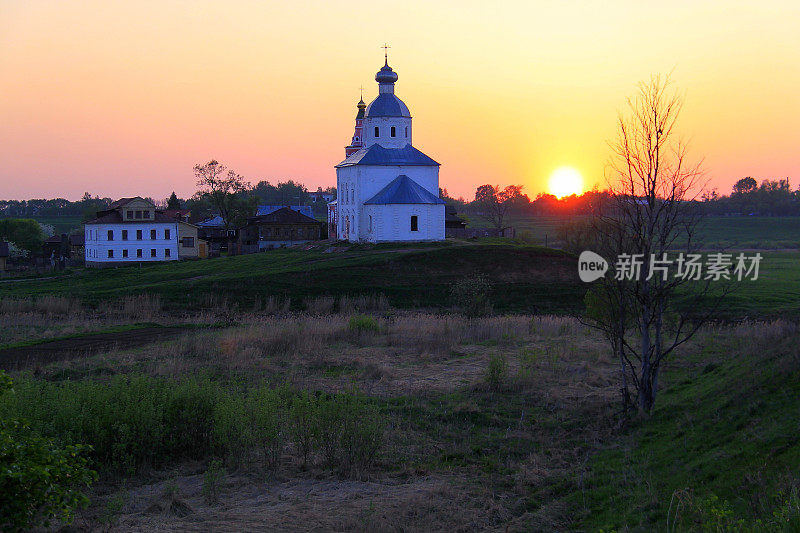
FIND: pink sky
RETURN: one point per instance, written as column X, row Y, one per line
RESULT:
column 122, row 99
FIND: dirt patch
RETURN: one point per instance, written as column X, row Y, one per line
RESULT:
column 428, row 503
column 64, row 349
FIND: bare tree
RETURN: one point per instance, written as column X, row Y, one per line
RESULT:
column 495, row 202
column 222, row 187
column 648, row 216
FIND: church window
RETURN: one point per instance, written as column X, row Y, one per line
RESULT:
column 394, row 132
column 377, row 131
column 370, row 223
column 414, row 223
column 406, row 131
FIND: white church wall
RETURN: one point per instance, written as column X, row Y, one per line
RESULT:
column 402, row 128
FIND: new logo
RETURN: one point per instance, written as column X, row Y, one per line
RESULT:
column 591, row 266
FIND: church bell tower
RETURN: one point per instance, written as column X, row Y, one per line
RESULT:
column 357, row 142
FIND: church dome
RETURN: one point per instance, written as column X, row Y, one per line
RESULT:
column 388, row 105
column 386, row 75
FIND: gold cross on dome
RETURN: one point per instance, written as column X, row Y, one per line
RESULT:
column 386, row 52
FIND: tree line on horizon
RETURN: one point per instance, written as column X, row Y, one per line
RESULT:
column 222, row 191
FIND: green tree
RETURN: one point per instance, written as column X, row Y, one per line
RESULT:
column 39, row 480
column 173, row 202
column 226, row 191
column 25, row 233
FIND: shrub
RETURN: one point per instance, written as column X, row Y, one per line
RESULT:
column 39, row 479
column 212, row 480
column 472, row 296
column 363, row 324
column 303, row 425
column 496, row 371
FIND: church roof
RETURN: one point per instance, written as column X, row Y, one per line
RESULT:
column 388, row 105
column 404, row 190
column 380, row 156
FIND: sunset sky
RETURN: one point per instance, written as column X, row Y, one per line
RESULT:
column 123, row 98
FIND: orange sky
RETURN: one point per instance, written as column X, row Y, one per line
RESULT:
column 123, row 98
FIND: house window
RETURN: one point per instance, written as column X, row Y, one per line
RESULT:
column 125, row 253
column 166, row 252
column 139, row 252
column 138, row 235
column 414, row 223
column 152, row 234
column 111, row 253
column 188, row 242
column 129, row 215
column 111, row 235
column 394, row 133
column 166, row 234
column 152, row 252
column 138, row 214
column 124, row 235
column 377, row 131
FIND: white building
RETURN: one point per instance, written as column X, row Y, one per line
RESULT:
column 387, row 190
column 129, row 231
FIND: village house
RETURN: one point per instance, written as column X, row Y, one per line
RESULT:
column 277, row 229
column 132, row 230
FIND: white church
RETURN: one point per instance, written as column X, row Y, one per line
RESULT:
column 387, row 189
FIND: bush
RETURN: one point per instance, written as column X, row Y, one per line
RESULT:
column 472, row 296
column 133, row 422
column 496, row 371
column 39, row 480
column 363, row 324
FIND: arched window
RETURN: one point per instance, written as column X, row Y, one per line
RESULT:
column 377, row 131
column 393, row 133
column 414, row 223
column 406, row 131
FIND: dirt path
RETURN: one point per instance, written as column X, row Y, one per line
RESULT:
column 62, row 349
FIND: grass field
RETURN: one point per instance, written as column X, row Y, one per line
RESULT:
column 492, row 424
column 770, row 233
column 66, row 225
column 526, row 278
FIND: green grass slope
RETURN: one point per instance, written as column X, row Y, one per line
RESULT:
column 722, row 448
column 525, row 278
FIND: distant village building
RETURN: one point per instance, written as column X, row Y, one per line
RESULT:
column 321, row 196
column 387, row 190
column 132, row 230
column 277, row 229
column 213, row 231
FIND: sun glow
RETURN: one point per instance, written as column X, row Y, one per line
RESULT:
column 565, row 181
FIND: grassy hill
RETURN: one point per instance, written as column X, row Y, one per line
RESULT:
column 525, row 278
column 720, row 450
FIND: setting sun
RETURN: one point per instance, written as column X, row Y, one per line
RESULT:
column 565, row 181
